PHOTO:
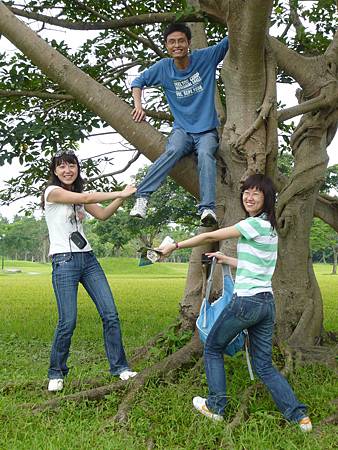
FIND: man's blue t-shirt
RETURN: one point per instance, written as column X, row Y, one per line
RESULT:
column 190, row 92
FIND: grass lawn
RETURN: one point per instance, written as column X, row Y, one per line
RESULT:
column 162, row 417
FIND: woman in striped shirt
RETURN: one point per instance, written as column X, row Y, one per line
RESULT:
column 252, row 306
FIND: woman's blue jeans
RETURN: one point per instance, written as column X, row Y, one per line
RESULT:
column 257, row 314
column 181, row 143
column 70, row 269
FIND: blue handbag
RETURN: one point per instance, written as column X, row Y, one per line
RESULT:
column 209, row 313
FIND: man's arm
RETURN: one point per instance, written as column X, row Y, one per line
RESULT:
column 150, row 77
column 137, row 113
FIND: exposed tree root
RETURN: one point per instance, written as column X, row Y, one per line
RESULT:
column 182, row 358
column 10, row 388
column 298, row 356
column 140, row 353
column 289, row 362
column 330, row 420
column 317, row 355
column 144, row 351
column 243, row 411
column 90, row 395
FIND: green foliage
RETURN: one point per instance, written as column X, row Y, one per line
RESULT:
column 24, row 238
column 162, row 415
column 323, row 239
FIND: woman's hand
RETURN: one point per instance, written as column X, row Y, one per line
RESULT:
column 128, row 191
column 221, row 258
column 166, row 250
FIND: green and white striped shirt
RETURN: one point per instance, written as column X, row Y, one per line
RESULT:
column 257, row 256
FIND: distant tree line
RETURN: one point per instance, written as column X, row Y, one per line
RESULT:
column 172, row 211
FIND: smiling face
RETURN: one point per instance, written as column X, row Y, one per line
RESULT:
column 177, row 45
column 253, row 201
column 67, row 173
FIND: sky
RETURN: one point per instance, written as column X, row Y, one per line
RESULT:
column 100, row 144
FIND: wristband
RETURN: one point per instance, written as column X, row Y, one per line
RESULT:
column 176, row 245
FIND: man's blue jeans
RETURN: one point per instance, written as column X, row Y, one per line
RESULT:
column 70, row 269
column 257, row 314
column 180, row 144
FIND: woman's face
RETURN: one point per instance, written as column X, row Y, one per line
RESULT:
column 67, row 173
column 253, row 201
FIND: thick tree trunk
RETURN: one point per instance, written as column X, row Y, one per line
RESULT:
column 299, row 301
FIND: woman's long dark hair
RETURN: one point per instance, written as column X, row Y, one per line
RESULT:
column 67, row 157
column 264, row 184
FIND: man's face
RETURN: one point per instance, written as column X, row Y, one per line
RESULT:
column 177, row 45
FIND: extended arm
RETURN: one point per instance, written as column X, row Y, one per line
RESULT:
column 201, row 239
column 63, row 196
column 103, row 213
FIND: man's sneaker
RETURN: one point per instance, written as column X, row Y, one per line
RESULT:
column 200, row 405
column 305, row 424
column 126, row 374
column 55, row 384
column 208, row 218
column 140, row 208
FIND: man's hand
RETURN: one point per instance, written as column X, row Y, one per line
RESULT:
column 128, row 191
column 138, row 114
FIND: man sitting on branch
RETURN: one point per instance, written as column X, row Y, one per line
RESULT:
column 189, row 81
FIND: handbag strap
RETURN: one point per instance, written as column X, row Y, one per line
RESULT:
column 210, row 278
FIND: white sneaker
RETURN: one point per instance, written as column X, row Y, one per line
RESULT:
column 140, row 208
column 305, row 424
column 55, row 384
column 208, row 218
column 126, row 374
column 200, row 405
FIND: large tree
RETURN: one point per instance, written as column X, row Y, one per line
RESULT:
column 51, row 95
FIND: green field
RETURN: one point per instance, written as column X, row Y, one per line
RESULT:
column 162, row 417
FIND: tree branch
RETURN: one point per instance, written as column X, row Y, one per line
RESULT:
column 141, row 19
column 291, row 62
column 314, row 104
column 326, row 208
column 111, row 174
column 159, row 115
column 332, row 51
column 38, row 94
column 147, row 42
column 294, row 17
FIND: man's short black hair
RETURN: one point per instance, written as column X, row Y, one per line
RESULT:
column 182, row 27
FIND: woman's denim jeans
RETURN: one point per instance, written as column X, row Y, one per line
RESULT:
column 180, row 144
column 70, row 269
column 257, row 314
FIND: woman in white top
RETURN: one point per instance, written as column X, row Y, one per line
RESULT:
column 74, row 262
